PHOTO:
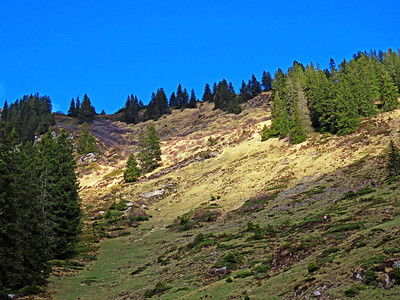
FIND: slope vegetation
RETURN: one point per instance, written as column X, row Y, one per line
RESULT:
column 230, row 217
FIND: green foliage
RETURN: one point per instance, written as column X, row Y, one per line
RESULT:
column 211, row 141
column 159, row 289
column 131, row 110
column 370, row 277
column 394, row 160
column 86, row 141
column 157, row 106
column 30, row 116
column 149, row 149
column 313, row 267
column 132, row 171
column 230, row 260
column 225, row 98
column 353, row 291
column 207, row 95
column 40, row 209
column 244, row 274
column 86, row 112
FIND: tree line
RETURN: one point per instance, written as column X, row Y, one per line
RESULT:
column 39, row 203
column 30, row 116
column 39, row 206
column 223, row 96
column 307, row 98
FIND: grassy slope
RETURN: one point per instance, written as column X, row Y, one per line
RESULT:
column 296, row 197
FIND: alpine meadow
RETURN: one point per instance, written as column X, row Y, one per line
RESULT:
column 285, row 189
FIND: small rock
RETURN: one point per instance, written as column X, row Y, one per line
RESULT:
column 396, row 264
column 317, row 293
column 153, row 194
column 101, row 212
column 129, row 204
column 143, row 206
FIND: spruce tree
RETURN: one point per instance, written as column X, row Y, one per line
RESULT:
column 4, row 112
column 72, row 109
column 193, row 100
column 388, row 92
column 394, row 159
column 172, row 100
column 266, row 81
column 207, row 95
column 87, row 110
column 86, row 141
column 149, row 151
column 132, row 171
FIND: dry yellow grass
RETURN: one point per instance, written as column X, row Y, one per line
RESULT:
column 243, row 167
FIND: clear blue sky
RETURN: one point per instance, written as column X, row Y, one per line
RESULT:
column 109, row 49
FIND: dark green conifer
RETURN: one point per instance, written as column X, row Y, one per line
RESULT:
column 207, row 95
column 149, row 151
column 132, row 171
column 193, row 100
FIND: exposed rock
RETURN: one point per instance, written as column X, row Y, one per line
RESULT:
column 88, row 158
column 153, row 194
column 143, row 206
column 396, row 264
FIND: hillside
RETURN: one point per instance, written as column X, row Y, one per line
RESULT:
column 316, row 219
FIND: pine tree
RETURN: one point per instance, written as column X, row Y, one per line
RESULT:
column 172, row 100
column 59, row 192
column 388, row 92
column 394, row 159
column 87, row 110
column 266, row 81
column 149, row 151
column 86, row 141
column 226, row 99
column 72, row 109
column 193, row 100
column 132, row 171
column 4, row 112
column 207, row 95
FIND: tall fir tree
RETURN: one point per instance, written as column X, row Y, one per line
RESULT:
column 266, row 81
column 87, row 110
column 149, row 151
column 72, row 109
column 132, row 171
column 389, row 95
column 193, row 100
column 207, row 95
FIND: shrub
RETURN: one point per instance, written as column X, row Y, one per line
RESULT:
column 312, row 267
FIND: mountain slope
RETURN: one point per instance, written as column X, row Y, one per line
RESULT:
column 314, row 219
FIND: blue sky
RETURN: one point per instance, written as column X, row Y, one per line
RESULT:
column 110, row 49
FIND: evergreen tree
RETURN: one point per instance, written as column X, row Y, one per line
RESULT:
column 207, row 95
column 132, row 171
column 4, row 112
column 59, row 195
column 86, row 141
column 77, row 106
column 149, row 149
column 244, row 92
column 30, row 115
column 131, row 110
column 394, row 159
column 172, row 100
column 266, row 81
column 225, row 98
column 72, row 109
column 87, row 110
column 254, row 86
column 389, row 95
column 193, row 100
column 103, row 113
